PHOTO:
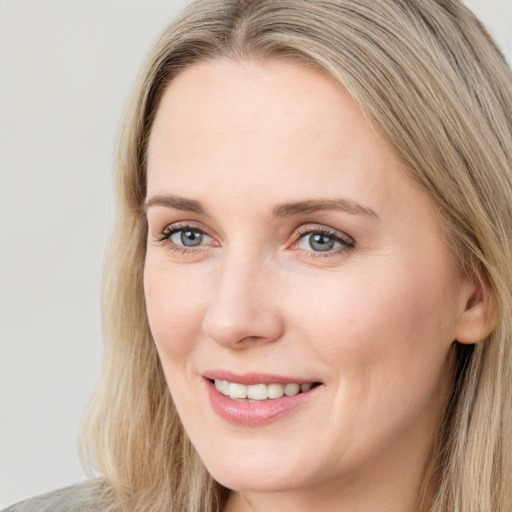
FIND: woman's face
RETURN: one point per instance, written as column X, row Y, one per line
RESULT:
column 288, row 246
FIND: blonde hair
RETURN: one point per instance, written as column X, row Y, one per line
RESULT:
column 429, row 76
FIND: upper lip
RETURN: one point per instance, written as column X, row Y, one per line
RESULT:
column 254, row 377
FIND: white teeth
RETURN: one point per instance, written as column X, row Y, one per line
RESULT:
column 275, row 390
column 237, row 391
column 257, row 392
column 291, row 389
column 224, row 387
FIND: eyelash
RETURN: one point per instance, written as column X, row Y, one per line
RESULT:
column 346, row 243
column 165, row 237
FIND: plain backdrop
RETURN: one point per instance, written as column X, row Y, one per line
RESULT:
column 66, row 69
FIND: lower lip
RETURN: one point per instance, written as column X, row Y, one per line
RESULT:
column 255, row 414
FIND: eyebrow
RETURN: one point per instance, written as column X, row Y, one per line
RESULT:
column 311, row 206
column 282, row 210
column 179, row 203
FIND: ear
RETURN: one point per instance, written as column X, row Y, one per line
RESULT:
column 477, row 320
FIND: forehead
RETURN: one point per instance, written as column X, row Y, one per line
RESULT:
column 275, row 126
column 225, row 98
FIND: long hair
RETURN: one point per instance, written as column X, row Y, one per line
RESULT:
column 427, row 74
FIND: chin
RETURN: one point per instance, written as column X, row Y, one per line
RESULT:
column 259, row 473
column 270, row 480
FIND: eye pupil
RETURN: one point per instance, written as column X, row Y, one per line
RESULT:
column 319, row 242
column 191, row 238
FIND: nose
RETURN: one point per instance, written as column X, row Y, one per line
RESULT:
column 241, row 312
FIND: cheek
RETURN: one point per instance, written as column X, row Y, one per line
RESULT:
column 385, row 327
column 387, row 343
column 175, row 305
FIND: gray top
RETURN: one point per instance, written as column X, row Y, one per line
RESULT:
column 82, row 497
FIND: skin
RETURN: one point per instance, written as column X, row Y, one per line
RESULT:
column 373, row 320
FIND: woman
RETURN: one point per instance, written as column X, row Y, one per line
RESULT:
column 342, row 341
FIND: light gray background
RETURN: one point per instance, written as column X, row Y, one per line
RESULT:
column 66, row 69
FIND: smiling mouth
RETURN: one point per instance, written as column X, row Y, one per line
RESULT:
column 261, row 392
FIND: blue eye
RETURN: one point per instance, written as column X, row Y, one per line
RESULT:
column 184, row 237
column 188, row 237
column 322, row 241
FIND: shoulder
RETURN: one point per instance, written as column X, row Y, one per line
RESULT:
column 82, row 497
